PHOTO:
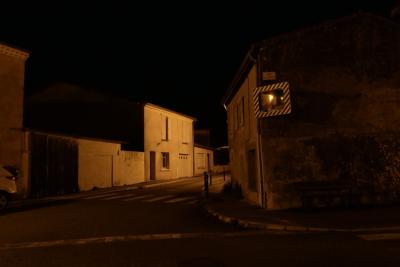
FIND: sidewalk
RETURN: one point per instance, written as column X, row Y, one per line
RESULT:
column 234, row 211
column 149, row 184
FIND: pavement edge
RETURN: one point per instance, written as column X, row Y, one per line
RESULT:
column 248, row 224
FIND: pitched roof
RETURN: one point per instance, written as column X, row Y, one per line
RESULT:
column 75, row 111
column 168, row 110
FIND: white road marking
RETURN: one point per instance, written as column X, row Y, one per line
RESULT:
column 158, row 198
column 120, row 196
column 100, row 195
column 179, row 199
column 111, row 239
column 385, row 236
column 138, row 197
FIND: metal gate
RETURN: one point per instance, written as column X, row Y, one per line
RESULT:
column 54, row 165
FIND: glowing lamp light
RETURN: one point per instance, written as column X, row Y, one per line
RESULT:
column 271, row 100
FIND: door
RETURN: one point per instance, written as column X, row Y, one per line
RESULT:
column 251, row 170
column 152, row 165
column 54, row 166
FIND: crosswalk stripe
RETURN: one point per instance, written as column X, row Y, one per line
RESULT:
column 100, row 196
column 179, row 199
column 158, row 198
column 193, row 202
column 138, row 197
column 120, row 196
column 385, row 236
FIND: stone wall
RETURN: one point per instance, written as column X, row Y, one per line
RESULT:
column 345, row 92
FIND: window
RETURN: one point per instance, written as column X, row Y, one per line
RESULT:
column 165, row 129
column 271, row 100
column 237, row 117
column 231, row 121
column 252, row 170
column 241, row 112
column 165, row 160
column 234, row 117
column 186, row 131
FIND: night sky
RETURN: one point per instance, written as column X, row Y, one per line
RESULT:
column 180, row 55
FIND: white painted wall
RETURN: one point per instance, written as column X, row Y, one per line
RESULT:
column 130, row 168
column 179, row 143
column 201, row 164
column 102, row 164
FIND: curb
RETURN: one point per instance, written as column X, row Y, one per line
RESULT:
column 287, row 227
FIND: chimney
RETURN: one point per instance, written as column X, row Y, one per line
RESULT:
column 395, row 13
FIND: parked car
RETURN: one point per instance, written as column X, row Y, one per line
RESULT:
column 8, row 185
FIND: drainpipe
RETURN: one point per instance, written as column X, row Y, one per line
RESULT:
column 259, row 140
column 193, row 156
column 260, row 163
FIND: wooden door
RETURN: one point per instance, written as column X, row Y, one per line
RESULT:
column 152, row 165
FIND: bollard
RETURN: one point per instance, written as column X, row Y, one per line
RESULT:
column 210, row 177
column 206, row 183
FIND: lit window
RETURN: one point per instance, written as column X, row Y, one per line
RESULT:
column 165, row 160
column 271, row 100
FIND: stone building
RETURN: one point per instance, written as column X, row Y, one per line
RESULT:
column 343, row 122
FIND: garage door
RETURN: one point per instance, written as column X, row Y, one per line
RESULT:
column 54, row 165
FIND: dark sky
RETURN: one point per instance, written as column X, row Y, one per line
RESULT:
column 181, row 55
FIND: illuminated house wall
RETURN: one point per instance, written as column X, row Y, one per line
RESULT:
column 62, row 164
column 203, row 159
column 12, row 75
column 104, row 164
column 344, row 82
column 114, row 138
column 167, row 133
column 242, row 136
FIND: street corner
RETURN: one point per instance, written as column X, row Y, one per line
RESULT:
column 240, row 221
column 231, row 220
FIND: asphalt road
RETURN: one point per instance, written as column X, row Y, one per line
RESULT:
column 166, row 226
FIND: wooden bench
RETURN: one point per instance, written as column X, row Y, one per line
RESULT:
column 326, row 193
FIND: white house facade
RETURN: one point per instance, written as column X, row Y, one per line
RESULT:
column 168, row 143
column 203, row 159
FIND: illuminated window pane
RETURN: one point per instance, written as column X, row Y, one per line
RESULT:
column 271, row 100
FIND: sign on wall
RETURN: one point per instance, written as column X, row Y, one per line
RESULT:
column 272, row 100
column 269, row 75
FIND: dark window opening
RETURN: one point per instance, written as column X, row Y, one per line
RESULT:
column 165, row 160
